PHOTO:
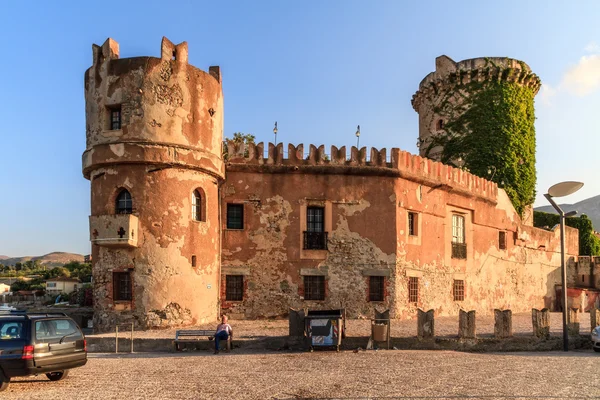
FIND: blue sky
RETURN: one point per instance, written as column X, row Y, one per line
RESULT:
column 319, row 68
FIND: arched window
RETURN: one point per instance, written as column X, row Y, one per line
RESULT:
column 124, row 203
column 440, row 125
column 198, row 201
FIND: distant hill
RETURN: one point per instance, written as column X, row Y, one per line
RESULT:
column 589, row 207
column 4, row 257
column 55, row 259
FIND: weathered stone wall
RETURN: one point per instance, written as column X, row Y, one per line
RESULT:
column 269, row 250
column 169, row 145
column 446, row 88
column 368, row 204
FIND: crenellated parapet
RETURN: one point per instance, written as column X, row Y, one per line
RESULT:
column 449, row 74
column 394, row 162
column 152, row 110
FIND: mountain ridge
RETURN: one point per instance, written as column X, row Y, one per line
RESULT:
column 589, row 207
column 54, row 259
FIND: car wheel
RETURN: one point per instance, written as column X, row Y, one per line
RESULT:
column 4, row 381
column 57, row 376
column 596, row 349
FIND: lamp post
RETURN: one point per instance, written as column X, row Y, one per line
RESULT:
column 560, row 190
column 357, row 136
column 275, row 132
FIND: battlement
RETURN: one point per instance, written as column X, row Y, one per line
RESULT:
column 169, row 51
column 401, row 163
column 449, row 73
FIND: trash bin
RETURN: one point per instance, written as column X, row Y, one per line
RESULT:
column 325, row 328
column 379, row 332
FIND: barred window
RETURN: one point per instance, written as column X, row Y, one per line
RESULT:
column 122, row 286
column 315, row 219
column 235, row 216
column 314, row 288
column 115, row 118
column 376, row 288
column 459, row 290
column 124, row 202
column 412, row 224
column 502, row 240
column 413, row 289
column 234, row 287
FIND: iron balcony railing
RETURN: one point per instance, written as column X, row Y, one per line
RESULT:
column 315, row 240
column 459, row 250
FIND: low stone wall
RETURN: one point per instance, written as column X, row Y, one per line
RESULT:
column 289, row 343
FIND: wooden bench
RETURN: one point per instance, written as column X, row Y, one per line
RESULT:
column 194, row 336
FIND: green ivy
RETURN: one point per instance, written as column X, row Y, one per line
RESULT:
column 589, row 244
column 492, row 127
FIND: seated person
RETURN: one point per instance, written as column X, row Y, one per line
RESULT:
column 224, row 331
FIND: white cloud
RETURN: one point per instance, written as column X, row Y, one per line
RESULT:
column 580, row 79
column 546, row 94
column 592, row 47
column 584, row 77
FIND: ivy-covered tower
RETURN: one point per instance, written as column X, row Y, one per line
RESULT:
column 478, row 114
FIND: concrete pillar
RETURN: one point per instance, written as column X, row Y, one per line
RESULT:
column 425, row 325
column 466, row 324
column 503, row 323
column 541, row 323
column 573, row 326
column 296, row 322
column 594, row 317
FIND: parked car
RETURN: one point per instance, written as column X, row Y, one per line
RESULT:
column 596, row 339
column 35, row 344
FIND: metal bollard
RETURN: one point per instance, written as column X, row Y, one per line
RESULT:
column 131, row 338
column 116, row 338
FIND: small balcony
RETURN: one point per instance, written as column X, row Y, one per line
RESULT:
column 315, row 240
column 118, row 230
column 459, row 250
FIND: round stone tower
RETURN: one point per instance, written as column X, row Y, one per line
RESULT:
column 479, row 114
column 154, row 131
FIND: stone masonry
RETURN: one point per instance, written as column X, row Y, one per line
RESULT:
column 259, row 234
column 166, row 145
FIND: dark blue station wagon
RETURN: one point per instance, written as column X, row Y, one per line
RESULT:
column 34, row 344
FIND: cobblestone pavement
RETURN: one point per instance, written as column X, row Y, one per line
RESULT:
column 444, row 326
column 366, row 374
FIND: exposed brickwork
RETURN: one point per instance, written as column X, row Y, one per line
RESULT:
column 367, row 205
column 170, row 145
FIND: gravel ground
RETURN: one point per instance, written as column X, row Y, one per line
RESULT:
column 444, row 326
column 372, row 374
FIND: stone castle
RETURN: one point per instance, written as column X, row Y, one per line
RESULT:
column 181, row 234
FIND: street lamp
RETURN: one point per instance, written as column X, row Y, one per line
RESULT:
column 357, row 136
column 560, row 190
column 275, row 132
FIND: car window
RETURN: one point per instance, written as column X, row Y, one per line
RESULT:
column 55, row 330
column 11, row 330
